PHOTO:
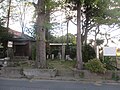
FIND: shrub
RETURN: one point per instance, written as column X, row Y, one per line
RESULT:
column 81, row 74
column 55, row 52
column 95, row 65
column 72, row 51
column 115, row 77
column 88, row 53
column 110, row 62
column 33, row 53
column 87, row 50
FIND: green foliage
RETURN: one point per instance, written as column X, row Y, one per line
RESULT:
column 49, row 37
column 115, row 76
column 50, row 65
column 95, row 65
column 88, row 53
column 109, row 62
column 113, row 12
column 4, row 37
column 55, row 52
column 61, row 64
column 81, row 74
column 48, row 25
column 33, row 53
column 51, row 4
column 76, row 1
column 72, row 51
column 99, row 41
column 63, row 38
column 87, row 50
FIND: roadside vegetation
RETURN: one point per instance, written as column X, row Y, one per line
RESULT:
column 61, row 64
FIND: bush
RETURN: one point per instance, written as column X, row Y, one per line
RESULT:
column 72, row 51
column 81, row 74
column 88, row 53
column 110, row 62
column 87, row 50
column 33, row 53
column 55, row 52
column 95, row 65
column 115, row 77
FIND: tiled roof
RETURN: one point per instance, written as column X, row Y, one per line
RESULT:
column 19, row 35
column 15, row 33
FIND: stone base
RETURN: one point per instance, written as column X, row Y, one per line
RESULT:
column 11, row 72
column 39, row 73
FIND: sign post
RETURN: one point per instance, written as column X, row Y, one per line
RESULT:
column 110, row 51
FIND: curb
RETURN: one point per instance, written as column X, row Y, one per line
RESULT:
column 67, row 79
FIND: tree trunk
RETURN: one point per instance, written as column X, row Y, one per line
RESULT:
column 79, row 45
column 40, row 36
column 86, row 30
column 95, row 45
column 67, row 40
column 8, row 20
column 8, row 15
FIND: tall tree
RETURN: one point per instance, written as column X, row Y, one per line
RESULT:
column 78, row 5
column 93, row 10
column 40, row 34
column 79, row 45
column 43, row 10
column 85, row 10
column 108, row 15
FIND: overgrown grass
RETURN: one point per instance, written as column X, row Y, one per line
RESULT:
column 22, row 64
column 61, row 64
column 57, row 64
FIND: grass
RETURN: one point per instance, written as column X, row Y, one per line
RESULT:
column 23, row 64
column 61, row 64
column 57, row 64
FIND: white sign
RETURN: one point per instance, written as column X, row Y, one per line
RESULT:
column 10, row 44
column 109, row 51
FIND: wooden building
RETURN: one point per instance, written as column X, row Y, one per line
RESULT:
column 21, row 44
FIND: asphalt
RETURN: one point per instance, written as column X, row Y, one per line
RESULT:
column 59, row 78
column 24, row 84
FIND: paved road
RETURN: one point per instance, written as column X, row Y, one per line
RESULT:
column 54, row 85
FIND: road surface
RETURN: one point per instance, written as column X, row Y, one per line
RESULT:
column 6, row 84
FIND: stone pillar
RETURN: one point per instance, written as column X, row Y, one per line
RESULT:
column 63, row 52
column 47, row 56
column 52, row 56
column 10, row 52
column 59, row 55
column 97, row 52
